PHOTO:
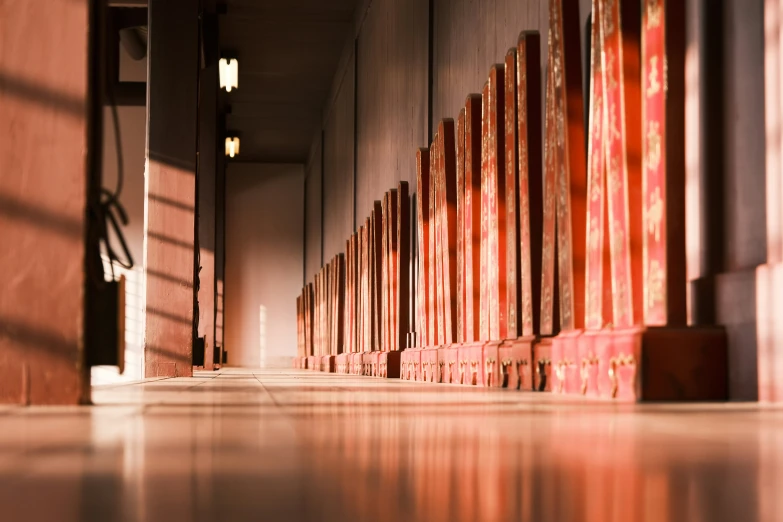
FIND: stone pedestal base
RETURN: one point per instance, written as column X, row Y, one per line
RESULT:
column 511, row 363
column 355, row 364
column 643, row 364
column 542, row 365
column 343, row 363
column 565, row 362
column 448, row 364
column 389, row 365
column 429, row 365
column 327, row 363
column 410, row 364
column 471, row 367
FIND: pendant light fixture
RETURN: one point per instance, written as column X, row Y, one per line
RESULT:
column 232, row 147
column 229, row 74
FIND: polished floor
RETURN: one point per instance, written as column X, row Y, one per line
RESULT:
column 270, row 445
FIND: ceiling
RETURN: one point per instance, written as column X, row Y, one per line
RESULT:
column 288, row 51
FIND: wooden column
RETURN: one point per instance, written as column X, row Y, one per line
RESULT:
column 44, row 169
column 171, row 187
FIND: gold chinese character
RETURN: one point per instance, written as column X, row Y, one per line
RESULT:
column 654, row 12
column 653, row 145
column 618, row 239
column 614, row 176
column 594, row 234
column 656, row 280
column 655, row 214
column 608, row 22
column 613, row 125
column 653, row 84
column 611, row 80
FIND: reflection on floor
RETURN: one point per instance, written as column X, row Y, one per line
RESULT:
column 288, row 446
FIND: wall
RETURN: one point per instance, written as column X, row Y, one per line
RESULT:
column 313, row 234
column 391, row 99
column 133, row 132
column 742, row 200
column 43, row 177
column 264, row 256
column 338, row 169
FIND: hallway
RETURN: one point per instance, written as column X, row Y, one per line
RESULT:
column 268, row 445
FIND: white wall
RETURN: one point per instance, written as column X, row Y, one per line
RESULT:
column 264, row 262
column 133, row 129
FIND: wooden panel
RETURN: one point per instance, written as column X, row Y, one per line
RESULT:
column 461, row 227
column 403, row 241
column 495, row 188
column 392, row 97
column 447, row 209
column 569, row 154
column 531, row 203
column 513, row 301
column 376, row 301
column 484, row 301
column 621, row 68
column 598, row 276
column 313, row 188
column 351, row 264
column 43, row 181
column 550, row 316
column 423, row 226
column 171, row 119
column 472, row 215
column 663, row 128
column 434, row 286
column 338, row 168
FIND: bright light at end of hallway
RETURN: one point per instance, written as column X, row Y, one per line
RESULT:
column 262, row 336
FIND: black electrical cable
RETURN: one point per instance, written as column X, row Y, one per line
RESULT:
column 110, row 211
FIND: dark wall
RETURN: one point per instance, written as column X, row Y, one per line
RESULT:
column 391, row 101
column 393, row 66
column 741, row 169
column 470, row 36
column 338, row 170
column 313, row 188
